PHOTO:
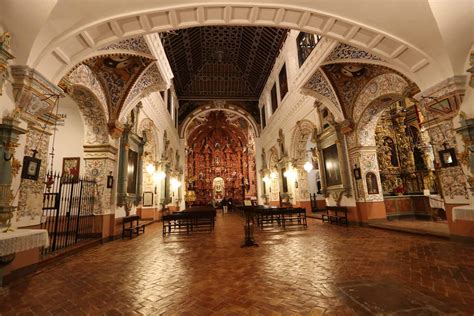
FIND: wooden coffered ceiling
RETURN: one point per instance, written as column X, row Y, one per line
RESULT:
column 221, row 62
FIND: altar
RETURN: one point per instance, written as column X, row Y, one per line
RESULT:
column 17, row 241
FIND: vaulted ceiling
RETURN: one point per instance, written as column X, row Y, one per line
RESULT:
column 221, row 62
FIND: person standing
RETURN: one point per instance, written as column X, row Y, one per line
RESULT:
column 224, row 204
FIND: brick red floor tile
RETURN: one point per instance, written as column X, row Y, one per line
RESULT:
column 325, row 269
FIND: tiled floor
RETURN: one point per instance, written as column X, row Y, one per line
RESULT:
column 325, row 269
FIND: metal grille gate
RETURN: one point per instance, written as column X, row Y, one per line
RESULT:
column 68, row 211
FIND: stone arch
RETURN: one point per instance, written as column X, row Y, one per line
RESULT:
column 183, row 130
column 303, row 131
column 148, row 130
column 69, row 45
column 95, row 120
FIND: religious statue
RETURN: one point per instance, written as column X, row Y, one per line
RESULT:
column 281, row 143
column 5, row 39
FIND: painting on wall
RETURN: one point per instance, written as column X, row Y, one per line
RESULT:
column 71, row 167
column 148, row 198
column 331, row 166
column 132, row 171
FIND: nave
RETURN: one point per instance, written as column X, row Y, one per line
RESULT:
column 324, row 269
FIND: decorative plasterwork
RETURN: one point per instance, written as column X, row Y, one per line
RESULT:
column 443, row 99
column 5, row 56
column 83, row 75
column 31, row 192
column 348, row 80
column 95, row 121
column 320, row 84
column 345, row 51
column 33, row 93
column 150, row 80
column 117, row 73
column 385, row 84
column 303, row 130
column 134, row 44
column 370, row 117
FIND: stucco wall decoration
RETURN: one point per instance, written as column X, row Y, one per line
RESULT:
column 94, row 118
column 117, row 73
column 345, row 51
column 30, row 200
column 150, row 80
column 349, row 80
column 134, row 43
column 83, row 75
column 320, row 84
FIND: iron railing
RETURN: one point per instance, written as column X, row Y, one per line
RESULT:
column 68, row 211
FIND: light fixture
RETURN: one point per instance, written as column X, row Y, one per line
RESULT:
column 150, row 168
column 308, row 166
column 266, row 179
column 175, row 183
column 290, row 174
column 158, row 176
column 273, row 175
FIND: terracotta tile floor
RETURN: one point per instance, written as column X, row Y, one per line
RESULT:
column 325, row 269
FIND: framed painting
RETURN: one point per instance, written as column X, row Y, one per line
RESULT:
column 148, row 198
column 448, row 158
column 332, row 169
column 31, row 168
column 71, row 167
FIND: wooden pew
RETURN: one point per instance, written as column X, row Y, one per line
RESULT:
column 336, row 214
column 133, row 227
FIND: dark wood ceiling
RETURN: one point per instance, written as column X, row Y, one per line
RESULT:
column 222, row 62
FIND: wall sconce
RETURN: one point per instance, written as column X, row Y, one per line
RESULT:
column 110, row 181
column 158, row 176
column 273, row 175
column 266, row 179
column 308, row 166
column 175, row 183
column 150, row 168
column 290, row 174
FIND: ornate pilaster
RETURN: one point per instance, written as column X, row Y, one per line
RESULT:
column 9, row 167
column 439, row 105
column 100, row 162
column 5, row 56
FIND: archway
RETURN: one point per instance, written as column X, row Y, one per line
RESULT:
column 77, row 41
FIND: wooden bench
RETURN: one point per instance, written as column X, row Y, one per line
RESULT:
column 335, row 214
column 283, row 216
column 189, row 220
column 133, row 227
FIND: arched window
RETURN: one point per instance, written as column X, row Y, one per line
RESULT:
column 306, row 42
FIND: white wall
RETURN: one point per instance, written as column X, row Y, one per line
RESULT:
column 69, row 140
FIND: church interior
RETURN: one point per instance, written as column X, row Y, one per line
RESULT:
column 238, row 158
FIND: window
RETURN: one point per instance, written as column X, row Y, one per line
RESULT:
column 283, row 82
column 264, row 119
column 132, row 171
column 274, row 98
column 306, row 43
column 170, row 101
